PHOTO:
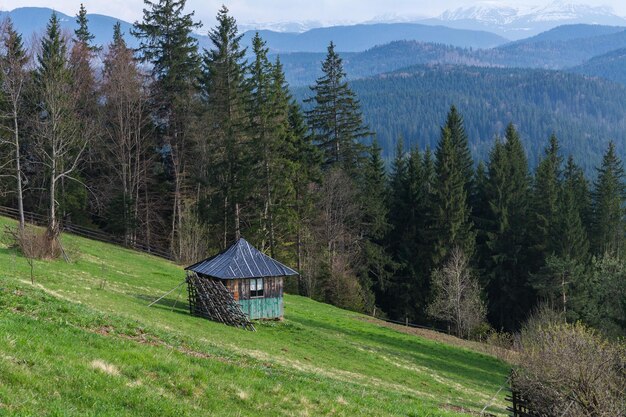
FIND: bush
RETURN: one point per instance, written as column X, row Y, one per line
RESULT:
column 33, row 243
column 570, row 367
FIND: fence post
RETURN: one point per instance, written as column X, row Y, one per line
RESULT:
column 374, row 312
column 407, row 321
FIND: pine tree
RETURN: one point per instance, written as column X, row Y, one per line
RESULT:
column 82, row 33
column 452, row 223
column 545, row 203
column 226, row 95
column 609, row 196
column 167, row 43
column 269, row 123
column 377, row 267
column 454, row 123
column 571, row 234
column 508, row 189
column 305, row 160
column 335, row 118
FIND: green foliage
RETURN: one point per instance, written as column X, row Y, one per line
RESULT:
column 609, row 198
column 82, row 33
column 167, row 43
column 412, row 102
column 506, row 254
column 335, row 117
column 52, row 58
column 451, row 213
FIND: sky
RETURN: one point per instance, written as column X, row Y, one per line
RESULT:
column 263, row 11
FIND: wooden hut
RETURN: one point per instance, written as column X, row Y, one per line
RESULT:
column 240, row 279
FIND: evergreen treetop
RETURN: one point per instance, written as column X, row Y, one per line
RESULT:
column 335, row 118
column 82, row 33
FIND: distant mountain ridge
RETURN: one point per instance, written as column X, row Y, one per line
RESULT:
column 32, row 21
column 521, row 22
column 357, row 38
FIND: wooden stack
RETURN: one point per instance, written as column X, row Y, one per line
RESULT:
column 209, row 298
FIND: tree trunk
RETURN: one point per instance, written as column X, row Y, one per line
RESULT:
column 18, row 171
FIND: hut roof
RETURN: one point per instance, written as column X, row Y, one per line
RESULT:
column 241, row 260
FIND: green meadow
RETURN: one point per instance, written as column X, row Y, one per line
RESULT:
column 82, row 341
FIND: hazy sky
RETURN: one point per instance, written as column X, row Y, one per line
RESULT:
column 246, row 11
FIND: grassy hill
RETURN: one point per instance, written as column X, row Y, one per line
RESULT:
column 81, row 341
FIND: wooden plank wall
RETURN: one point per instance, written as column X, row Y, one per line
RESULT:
column 272, row 287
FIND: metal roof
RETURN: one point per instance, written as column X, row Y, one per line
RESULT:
column 241, row 260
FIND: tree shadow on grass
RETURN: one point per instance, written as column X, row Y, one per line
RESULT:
column 480, row 370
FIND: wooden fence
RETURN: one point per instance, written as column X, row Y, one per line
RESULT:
column 94, row 234
column 521, row 408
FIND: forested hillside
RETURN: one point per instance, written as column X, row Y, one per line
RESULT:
column 610, row 66
column 358, row 38
column 303, row 68
column 555, row 54
column 585, row 113
column 190, row 149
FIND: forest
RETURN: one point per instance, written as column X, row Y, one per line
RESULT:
column 190, row 149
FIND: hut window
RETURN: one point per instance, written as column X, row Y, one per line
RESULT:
column 256, row 287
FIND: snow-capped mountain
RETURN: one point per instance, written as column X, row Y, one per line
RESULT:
column 517, row 22
column 291, row 27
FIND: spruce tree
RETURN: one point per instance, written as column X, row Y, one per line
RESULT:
column 227, row 97
column 506, row 254
column 571, row 235
column 454, row 123
column 335, row 117
column 609, row 196
column 167, row 44
column 82, row 33
column 545, row 211
column 377, row 267
column 451, row 216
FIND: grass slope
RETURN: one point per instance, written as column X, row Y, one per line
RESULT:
column 81, row 342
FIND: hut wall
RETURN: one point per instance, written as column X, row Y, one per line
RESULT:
column 269, row 306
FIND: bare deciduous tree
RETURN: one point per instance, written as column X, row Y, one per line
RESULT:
column 13, row 76
column 59, row 139
column 125, row 121
column 457, row 295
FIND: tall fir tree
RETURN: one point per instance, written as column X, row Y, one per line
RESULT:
column 377, row 266
column 228, row 156
column 455, row 124
column 609, row 196
column 571, row 233
column 335, row 116
column 544, row 209
column 82, row 34
column 508, row 187
column 167, row 43
column 451, row 212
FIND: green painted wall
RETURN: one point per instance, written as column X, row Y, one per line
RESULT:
column 262, row 308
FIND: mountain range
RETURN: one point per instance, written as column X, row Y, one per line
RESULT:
column 516, row 22
column 569, row 79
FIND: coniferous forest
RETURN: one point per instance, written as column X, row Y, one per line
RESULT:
column 190, row 149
